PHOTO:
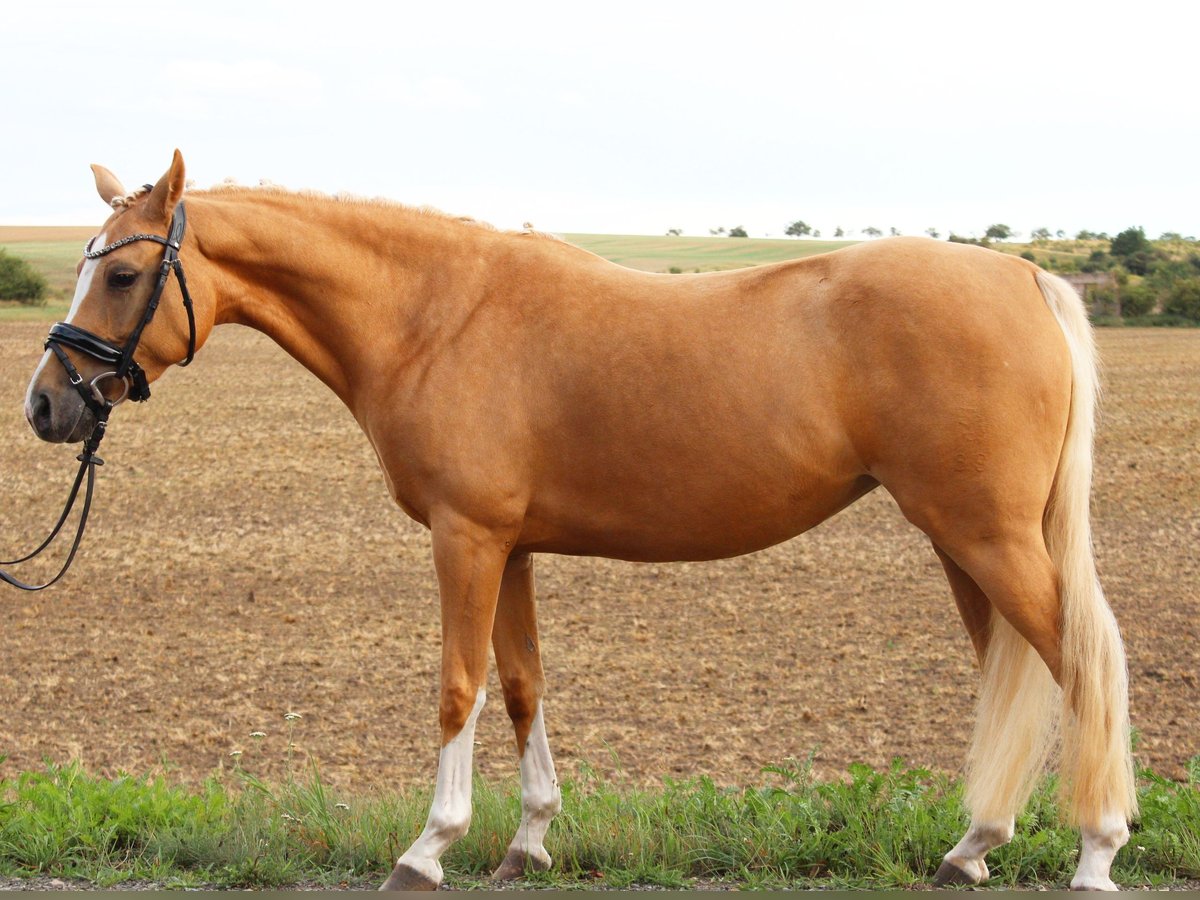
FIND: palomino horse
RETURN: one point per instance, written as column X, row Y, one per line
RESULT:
column 526, row 396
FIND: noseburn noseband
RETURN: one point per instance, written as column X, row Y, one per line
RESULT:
column 125, row 369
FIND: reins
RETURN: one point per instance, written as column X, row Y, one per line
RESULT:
column 126, row 370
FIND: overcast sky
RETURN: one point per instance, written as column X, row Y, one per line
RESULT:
column 623, row 117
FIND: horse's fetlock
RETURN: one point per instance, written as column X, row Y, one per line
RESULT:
column 449, row 826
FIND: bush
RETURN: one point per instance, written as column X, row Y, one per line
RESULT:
column 1137, row 300
column 1029, row 255
column 19, row 281
column 1184, row 299
column 737, row 231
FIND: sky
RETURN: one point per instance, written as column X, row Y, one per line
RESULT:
column 621, row 117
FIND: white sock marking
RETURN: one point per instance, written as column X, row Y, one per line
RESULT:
column 980, row 838
column 1099, row 847
column 450, row 813
column 540, row 796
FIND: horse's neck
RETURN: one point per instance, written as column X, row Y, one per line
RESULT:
column 349, row 290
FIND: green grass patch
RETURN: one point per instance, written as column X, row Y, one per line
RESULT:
column 1155, row 320
column 651, row 253
column 53, row 311
column 54, row 260
column 877, row 829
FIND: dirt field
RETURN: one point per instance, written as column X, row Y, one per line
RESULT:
column 244, row 561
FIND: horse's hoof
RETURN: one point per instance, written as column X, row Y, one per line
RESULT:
column 1094, row 884
column 517, row 863
column 406, row 878
column 950, row 875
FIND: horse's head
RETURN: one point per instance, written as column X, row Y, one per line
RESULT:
column 112, row 296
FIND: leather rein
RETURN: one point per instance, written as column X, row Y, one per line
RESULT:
column 125, row 369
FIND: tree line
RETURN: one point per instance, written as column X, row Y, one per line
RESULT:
column 1148, row 281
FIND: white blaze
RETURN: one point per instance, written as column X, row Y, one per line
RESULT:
column 82, row 285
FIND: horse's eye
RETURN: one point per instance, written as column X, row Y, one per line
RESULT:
column 122, row 281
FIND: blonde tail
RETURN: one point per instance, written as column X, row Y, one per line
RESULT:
column 1097, row 767
column 1014, row 726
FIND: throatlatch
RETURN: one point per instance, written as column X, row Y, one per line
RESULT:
column 126, row 370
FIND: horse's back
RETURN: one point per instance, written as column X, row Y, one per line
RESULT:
column 711, row 415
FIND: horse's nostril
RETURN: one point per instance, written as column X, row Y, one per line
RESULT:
column 41, row 413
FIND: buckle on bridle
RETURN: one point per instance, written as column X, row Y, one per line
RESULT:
column 99, row 394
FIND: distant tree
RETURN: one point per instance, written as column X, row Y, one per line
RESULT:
column 933, row 233
column 837, row 232
column 1169, row 236
column 894, row 231
column 738, row 231
column 1040, row 234
column 871, row 231
column 998, row 232
column 799, row 228
column 1060, row 234
column 720, row 229
column 816, row 232
column 1129, row 242
column 959, row 239
column 20, row 281
column 674, row 232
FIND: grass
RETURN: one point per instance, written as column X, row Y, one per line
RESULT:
column 876, row 829
column 16, row 312
column 55, row 252
column 696, row 254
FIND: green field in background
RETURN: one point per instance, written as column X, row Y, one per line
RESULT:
column 56, row 252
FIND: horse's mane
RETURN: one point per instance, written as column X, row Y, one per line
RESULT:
column 265, row 187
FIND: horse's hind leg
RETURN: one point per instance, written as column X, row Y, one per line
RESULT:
column 1019, row 702
column 973, row 605
column 1014, row 716
column 518, row 659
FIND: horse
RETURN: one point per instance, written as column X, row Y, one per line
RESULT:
column 525, row 396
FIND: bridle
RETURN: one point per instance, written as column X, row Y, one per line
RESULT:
column 125, row 369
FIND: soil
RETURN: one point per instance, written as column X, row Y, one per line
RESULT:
column 244, row 561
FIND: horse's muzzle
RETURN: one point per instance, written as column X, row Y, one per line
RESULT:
column 61, row 419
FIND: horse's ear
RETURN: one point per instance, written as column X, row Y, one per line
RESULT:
column 166, row 194
column 108, row 185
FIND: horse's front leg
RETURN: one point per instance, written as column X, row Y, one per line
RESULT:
column 518, row 657
column 470, row 562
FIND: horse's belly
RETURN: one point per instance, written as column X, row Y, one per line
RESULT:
column 671, row 525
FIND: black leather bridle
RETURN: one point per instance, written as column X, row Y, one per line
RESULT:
column 126, row 370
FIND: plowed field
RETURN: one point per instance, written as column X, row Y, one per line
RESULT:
column 244, row 561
